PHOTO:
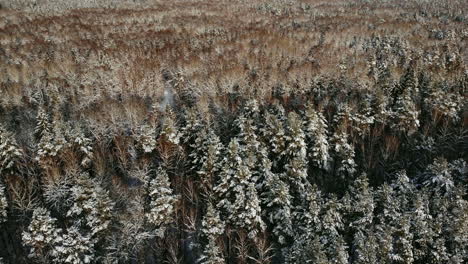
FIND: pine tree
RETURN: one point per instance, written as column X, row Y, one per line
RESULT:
column 249, row 143
column 11, row 155
column 344, row 155
column 238, row 199
column 42, row 235
column 3, row 204
column 212, row 224
column 365, row 247
column 361, row 204
column 147, row 138
column 212, row 229
column 51, row 144
column 275, row 137
column 316, row 131
column 206, row 158
column 84, row 145
column 92, row 207
column 193, row 126
column 211, row 253
column 169, row 131
column 405, row 115
column 162, row 201
column 296, row 157
column 43, row 124
column 457, row 237
column 276, row 201
column 421, row 227
column 438, row 176
column 73, row 247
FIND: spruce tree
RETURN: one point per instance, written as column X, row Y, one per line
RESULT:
column 42, row 235
column 92, row 207
column 238, row 198
column 421, row 226
column 365, row 247
column 162, row 202
column 275, row 137
column 3, row 204
column 11, row 155
column 276, row 201
column 212, row 230
column 317, row 139
column 206, row 160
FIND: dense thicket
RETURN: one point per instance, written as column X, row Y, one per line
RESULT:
column 269, row 162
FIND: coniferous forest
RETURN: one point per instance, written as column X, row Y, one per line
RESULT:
column 231, row 131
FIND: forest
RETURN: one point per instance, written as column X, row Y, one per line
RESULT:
column 234, row 131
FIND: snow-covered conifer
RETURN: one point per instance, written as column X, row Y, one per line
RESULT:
column 10, row 154
column 211, row 253
column 169, row 131
column 342, row 119
column 51, row 144
column 457, row 230
column 421, row 226
column 74, row 247
column 206, row 158
column 365, row 251
column 277, row 204
column 275, row 137
column 212, row 229
column 147, row 138
column 212, row 223
column 317, row 138
column 42, row 235
column 236, row 190
column 162, row 201
column 361, row 206
column 43, row 123
column 344, row 154
column 84, row 145
column 92, row 207
column 438, row 175
column 364, row 118
column 405, row 115
column 403, row 248
column 3, row 204
column 249, row 142
column 193, row 125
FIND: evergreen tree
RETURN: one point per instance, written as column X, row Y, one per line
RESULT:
column 421, row 227
column 360, row 207
column 365, row 247
column 438, row 176
column 11, row 155
column 42, row 235
column 92, row 207
column 206, row 159
column 316, row 131
column 276, row 201
column 147, row 138
column 74, row 247
column 212, row 229
column 162, row 202
column 169, row 130
column 275, row 137
column 343, row 155
column 238, row 199
column 43, row 124
column 405, row 115
column 84, row 145
column 3, row 204
column 457, row 229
